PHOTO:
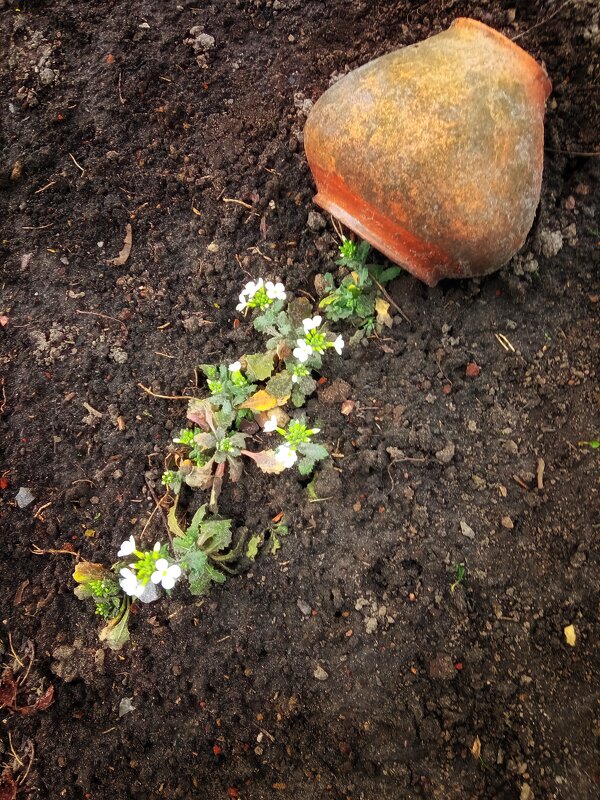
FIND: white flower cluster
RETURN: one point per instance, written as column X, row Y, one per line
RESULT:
column 164, row 573
column 314, row 341
column 258, row 294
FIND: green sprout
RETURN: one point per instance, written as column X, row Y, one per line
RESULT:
column 460, row 575
column 594, row 444
column 356, row 296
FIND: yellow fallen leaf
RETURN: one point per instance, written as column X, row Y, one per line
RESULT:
column 262, row 401
column 570, row 635
column 381, row 309
column 196, row 212
column 476, row 748
column 90, row 532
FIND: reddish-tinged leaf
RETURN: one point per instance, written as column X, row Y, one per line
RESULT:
column 8, row 689
column 200, row 412
column 199, row 477
column 278, row 517
column 266, row 461
column 3, row 483
column 41, row 704
column 3, row 321
column 8, row 785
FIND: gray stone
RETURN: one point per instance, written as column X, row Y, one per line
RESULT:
column 24, row 497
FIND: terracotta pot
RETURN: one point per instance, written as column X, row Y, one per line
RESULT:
column 434, row 153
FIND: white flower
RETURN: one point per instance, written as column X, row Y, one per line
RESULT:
column 295, row 378
column 242, row 305
column 165, row 573
column 252, row 287
column 127, row 548
column 311, row 324
column 338, row 345
column 286, row 456
column 130, row 584
column 235, row 367
column 157, row 547
column 271, row 424
column 275, row 291
column 314, row 430
column 303, row 351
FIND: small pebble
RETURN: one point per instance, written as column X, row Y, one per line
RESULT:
column 304, row 607
column 24, row 497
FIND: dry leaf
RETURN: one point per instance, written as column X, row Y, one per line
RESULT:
column 3, row 321
column 262, row 401
column 381, row 309
column 266, row 461
column 41, row 704
column 476, row 748
column 124, row 254
column 280, row 415
column 570, row 635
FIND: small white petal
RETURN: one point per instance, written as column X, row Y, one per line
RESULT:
column 162, row 564
column 310, row 324
column 168, row 582
column 295, row 378
column 127, row 547
column 315, row 430
column 241, row 306
column 338, row 345
column 126, row 573
column 286, row 456
column 300, row 354
column 174, row 571
column 156, row 577
column 157, row 547
column 235, row 367
column 271, row 424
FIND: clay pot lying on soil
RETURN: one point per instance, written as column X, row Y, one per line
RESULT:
column 434, row 153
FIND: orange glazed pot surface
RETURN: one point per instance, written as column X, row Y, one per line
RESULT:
column 434, row 153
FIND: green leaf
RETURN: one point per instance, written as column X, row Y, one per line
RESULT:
column 199, row 584
column 116, row 632
column 313, row 450
column 280, row 385
column 253, row 545
column 195, row 561
column 298, row 397
column 386, row 275
column 194, row 526
column 215, row 535
column 215, row 575
column 259, row 366
column 365, row 306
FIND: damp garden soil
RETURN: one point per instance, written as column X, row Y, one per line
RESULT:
column 343, row 666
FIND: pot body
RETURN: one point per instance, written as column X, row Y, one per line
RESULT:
column 434, row 153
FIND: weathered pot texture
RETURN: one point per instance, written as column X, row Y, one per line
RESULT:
column 434, row 153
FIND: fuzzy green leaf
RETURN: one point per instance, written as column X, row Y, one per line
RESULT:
column 280, row 385
column 385, row 275
column 259, row 366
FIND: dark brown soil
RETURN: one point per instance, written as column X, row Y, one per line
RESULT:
column 108, row 119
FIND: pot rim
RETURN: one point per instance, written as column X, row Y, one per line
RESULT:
column 527, row 60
